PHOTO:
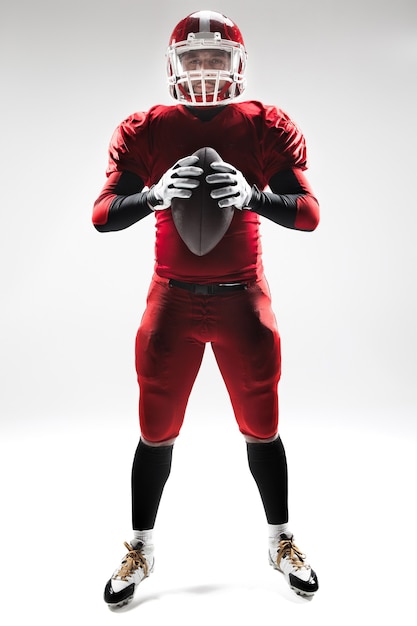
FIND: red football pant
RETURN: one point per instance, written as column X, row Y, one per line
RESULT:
column 170, row 343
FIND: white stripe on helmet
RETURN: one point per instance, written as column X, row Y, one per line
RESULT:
column 205, row 21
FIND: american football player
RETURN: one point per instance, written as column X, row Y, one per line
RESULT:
column 222, row 297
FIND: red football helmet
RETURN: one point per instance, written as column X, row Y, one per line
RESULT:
column 206, row 60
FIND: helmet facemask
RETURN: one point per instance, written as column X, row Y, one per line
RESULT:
column 206, row 70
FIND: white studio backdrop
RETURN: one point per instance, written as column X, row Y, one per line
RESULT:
column 344, row 296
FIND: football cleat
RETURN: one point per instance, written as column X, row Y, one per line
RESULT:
column 134, row 568
column 289, row 560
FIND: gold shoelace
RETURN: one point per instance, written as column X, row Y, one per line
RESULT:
column 287, row 549
column 132, row 561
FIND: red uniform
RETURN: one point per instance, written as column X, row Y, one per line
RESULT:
column 221, row 297
column 261, row 141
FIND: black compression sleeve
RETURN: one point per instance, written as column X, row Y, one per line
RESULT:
column 129, row 206
column 150, row 471
column 125, row 211
column 268, row 465
column 279, row 205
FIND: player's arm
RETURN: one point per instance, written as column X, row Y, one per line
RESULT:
column 290, row 202
column 123, row 202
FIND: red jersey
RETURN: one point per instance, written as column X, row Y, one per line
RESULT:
column 257, row 139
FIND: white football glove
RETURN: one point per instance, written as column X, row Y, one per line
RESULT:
column 177, row 182
column 236, row 191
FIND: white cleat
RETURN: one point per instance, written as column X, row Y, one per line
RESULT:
column 289, row 560
column 135, row 567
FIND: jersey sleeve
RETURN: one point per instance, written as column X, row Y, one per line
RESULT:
column 129, row 147
column 122, row 202
column 284, row 145
column 290, row 201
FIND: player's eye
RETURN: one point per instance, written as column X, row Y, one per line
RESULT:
column 189, row 62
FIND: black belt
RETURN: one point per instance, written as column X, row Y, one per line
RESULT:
column 210, row 289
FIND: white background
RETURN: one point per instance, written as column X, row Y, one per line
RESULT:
column 344, row 296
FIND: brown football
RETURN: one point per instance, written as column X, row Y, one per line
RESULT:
column 199, row 221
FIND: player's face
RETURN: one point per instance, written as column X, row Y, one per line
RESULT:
column 207, row 60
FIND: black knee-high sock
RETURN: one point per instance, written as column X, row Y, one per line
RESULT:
column 150, row 471
column 268, row 465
